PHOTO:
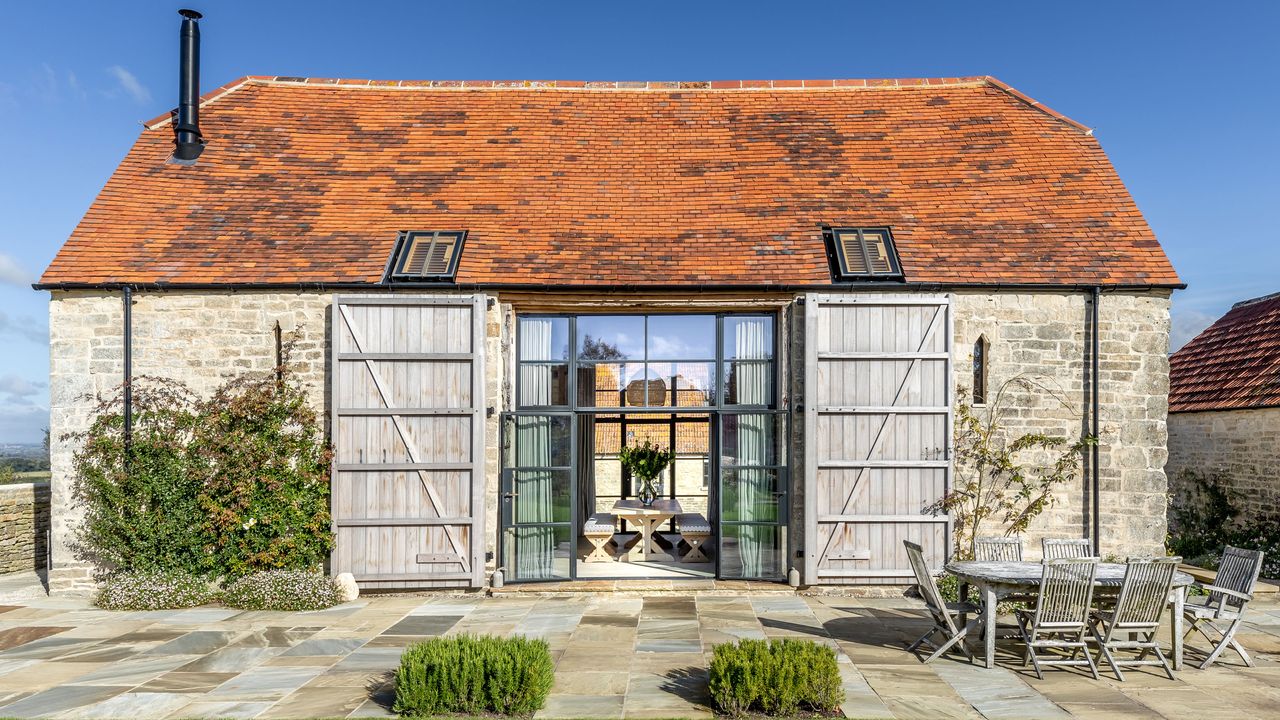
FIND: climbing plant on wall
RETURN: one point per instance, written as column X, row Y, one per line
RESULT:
column 1003, row 481
column 222, row 486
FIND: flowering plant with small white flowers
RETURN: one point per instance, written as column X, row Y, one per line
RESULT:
column 154, row 591
column 282, row 590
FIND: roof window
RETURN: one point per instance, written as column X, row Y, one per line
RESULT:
column 864, row 254
column 426, row 255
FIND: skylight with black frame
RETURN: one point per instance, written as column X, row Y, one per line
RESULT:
column 426, row 255
column 864, row 254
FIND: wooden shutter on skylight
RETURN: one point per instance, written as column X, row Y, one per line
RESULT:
column 427, row 255
column 864, row 253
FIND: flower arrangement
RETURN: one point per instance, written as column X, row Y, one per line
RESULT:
column 646, row 462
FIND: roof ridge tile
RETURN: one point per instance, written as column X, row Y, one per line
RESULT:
column 712, row 85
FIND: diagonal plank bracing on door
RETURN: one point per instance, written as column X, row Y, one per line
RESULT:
column 411, row 447
column 855, row 492
column 877, row 416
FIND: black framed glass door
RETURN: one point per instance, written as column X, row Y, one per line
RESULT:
column 702, row 385
column 753, row 497
column 537, row 496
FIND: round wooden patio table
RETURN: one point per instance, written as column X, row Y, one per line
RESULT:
column 648, row 518
column 995, row 580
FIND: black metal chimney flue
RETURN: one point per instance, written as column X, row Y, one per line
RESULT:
column 187, row 141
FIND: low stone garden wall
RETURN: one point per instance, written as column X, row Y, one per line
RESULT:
column 24, row 527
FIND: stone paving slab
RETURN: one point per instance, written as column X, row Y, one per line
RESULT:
column 617, row 656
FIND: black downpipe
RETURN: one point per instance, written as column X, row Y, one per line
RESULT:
column 187, row 140
column 128, row 372
column 1093, row 396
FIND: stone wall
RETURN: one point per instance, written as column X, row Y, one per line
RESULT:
column 1242, row 446
column 198, row 338
column 201, row 337
column 1044, row 337
column 24, row 527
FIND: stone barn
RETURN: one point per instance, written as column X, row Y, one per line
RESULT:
column 498, row 286
column 1224, row 408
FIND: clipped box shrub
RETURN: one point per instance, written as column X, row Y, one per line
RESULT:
column 776, row 677
column 152, row 590
column 472, row 675
column 282, row 590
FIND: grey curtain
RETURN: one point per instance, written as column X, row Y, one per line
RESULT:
column 535, row 546
column 755, row 542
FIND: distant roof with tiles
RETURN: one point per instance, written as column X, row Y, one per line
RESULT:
column 1233, row 364
column 710, row 184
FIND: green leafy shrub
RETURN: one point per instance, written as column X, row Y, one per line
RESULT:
column 776, row 677
column 141, row 512
column 266, row 488
column 471, row 675
column 154, row 591
column 222, row 487
column 282, row 590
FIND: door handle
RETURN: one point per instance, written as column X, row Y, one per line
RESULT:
column 510, row 495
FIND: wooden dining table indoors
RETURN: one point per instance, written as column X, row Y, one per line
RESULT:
column 996, row 580
column 647, row 518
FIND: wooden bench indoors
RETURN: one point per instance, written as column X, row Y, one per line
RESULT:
column 694, row 530
column 598, row 529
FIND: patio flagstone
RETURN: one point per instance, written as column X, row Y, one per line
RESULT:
column 998, row 693
column 616, row 657
column 61, row 699
column 134, row 704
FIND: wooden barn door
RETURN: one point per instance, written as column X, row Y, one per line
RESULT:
column 877, row 434
column 408, row 430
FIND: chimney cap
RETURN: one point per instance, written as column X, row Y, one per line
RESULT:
column 190, row 14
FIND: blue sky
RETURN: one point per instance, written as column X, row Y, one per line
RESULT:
column 1184, row 100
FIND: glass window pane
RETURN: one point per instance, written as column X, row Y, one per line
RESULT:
column 682, row 337
column 748, row 439
column 646, row 389
column 537, row 552
column 543, row 385
column 748, row 338
column 539, row 441
column 541, row 496
column 543, row 339
column 750, row 495
column 748, row 383
column 605, row 384
column 684, row 384
column 751, row 551
column 611, row 337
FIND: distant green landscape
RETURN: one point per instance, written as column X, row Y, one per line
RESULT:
column 23, row 463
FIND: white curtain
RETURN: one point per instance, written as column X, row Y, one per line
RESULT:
column 755, row 542
column 535, row 546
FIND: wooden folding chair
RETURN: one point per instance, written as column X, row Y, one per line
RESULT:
column 944, row 614
column 1060, row 620
column 1228, row 596
column 997, row 549
column 1134, row 621
column 1055, row 548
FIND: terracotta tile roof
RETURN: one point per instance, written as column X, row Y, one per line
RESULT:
column 1233, row 364
column 308, row 180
